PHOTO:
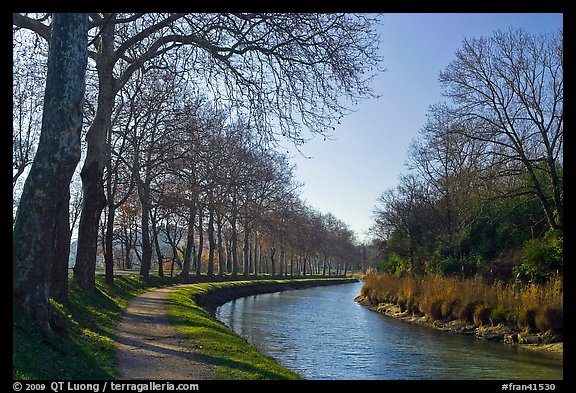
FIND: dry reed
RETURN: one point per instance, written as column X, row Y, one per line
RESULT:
column 535, row 307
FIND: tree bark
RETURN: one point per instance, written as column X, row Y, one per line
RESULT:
column 43, row 199
column 200, row 240
column 59, row 279
column 211, row 242
column 159, row 255
column 234, row 241
column 189, row 243
column 246, row 250
column 221, row 258
column 146, row 246
column 109, row 245
column 93, row 198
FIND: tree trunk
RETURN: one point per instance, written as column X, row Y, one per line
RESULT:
column 146, row 246
column 200, row 241
column 129, row 244
column 211, row 242
column 246, row 250
column 109, row 248
column 189, row 243
column 282, row 270
column 59, row 279
column 234, row 246
column 228, row 254
column 93, row 198
column 272, row 253
column 159, row 255
column 58, row 153
column 221, row 259
column 109, row 236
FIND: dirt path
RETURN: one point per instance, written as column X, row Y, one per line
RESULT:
column 148, row 346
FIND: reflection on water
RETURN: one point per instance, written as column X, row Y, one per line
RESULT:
column 321, row 333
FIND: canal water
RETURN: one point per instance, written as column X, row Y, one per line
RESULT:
column 322, row 333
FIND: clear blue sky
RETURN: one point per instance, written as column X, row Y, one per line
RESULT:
column 346, row 176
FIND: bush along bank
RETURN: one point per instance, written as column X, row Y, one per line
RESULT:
column 509, row 313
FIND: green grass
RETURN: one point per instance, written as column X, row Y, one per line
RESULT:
column 232, row 356
column 87, row 350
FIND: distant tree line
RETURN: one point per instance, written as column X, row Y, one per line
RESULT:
column 178, row 139
column 484, row 191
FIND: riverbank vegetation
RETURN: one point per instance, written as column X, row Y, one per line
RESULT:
column 532, row 308
column 474, row 231
column 484, row 194
column 82, row 345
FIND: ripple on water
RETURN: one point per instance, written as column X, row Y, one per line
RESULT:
column 321, row 333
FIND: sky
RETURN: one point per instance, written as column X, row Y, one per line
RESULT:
column 346, row 175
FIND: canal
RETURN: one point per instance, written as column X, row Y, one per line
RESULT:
column 321, row 333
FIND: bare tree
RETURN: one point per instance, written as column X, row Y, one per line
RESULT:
column 509, row 90
column 29, row 73
column 401, row 219
column 454, row 169
column 47, row 188
column 281, row 70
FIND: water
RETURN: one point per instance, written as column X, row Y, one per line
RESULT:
column 321, row 333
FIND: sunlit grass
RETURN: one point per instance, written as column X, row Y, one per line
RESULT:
column 232, row 356
column 86, row 351
column 85, row 348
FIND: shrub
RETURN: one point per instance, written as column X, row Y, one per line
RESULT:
column 395, row 264
column 448, row 308
column 549, row 318
column 502, row 314
column 433, row 309
column 527, row 319
column 464, row 312
column 410, row 304
column 416, row 309
column 402, row 302
column 541, row 258
column 482, row 315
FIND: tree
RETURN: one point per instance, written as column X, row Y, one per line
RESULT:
column 508, row 90
column 454, row 169
column 402, row 220
column 280, row 70
column 46, row 191
column 29, row 74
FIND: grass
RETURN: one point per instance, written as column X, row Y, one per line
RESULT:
column 232, row 356
column 86, row 349
column 536, row 307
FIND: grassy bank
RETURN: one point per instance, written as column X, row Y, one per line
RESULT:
column 84, row 347
column 232, row 356
column 534, row 308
